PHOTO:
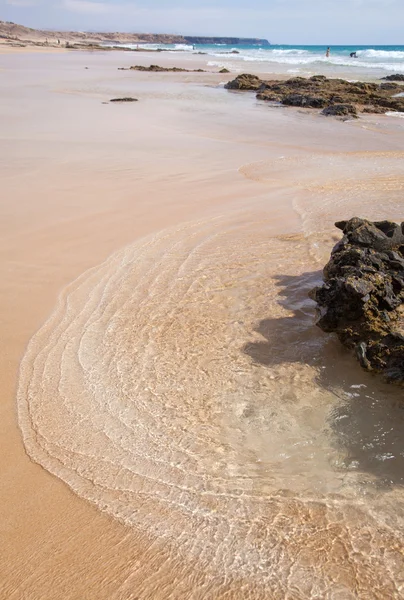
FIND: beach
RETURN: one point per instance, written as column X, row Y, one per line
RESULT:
column 177, row 427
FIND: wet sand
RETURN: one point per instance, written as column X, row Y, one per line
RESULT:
column 81, row 180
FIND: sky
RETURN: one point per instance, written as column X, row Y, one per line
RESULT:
column 328, row 22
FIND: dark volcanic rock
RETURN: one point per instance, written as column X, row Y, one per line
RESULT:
column 390, row 85
column 158, row 69
column 340, row 110
column 244, row 82
column 124, row 99
column 319, row 92
column 362, row 298
column 395, row 77
column 303, row 100
column 224, row 70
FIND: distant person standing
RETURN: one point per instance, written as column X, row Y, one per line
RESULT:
column 327, row 52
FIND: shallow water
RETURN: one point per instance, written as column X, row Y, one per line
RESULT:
column 182, row 387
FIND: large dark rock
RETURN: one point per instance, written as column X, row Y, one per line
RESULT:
column 244, row 82
column 304, row 101
column 340, row 110
column 125, row 99
column 158, row 69
column 318, row 92
column 362, row 298
column 390, row 85
column 395, row 77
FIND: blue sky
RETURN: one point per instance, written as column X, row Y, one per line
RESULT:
column 280, row 21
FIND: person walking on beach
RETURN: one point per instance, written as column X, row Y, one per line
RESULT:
column 327, row 52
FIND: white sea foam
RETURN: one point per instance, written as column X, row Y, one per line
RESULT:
column 289, row 51
column 370, row 53
column 382, row 60
column 399, row 115
column 311, row 59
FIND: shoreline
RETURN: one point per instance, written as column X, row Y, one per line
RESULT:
column 81, row 181
column 240, row 55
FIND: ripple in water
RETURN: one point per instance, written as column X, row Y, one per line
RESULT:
column 182, row 388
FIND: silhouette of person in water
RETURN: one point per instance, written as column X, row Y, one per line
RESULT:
column 327, row 52
column 353, row 55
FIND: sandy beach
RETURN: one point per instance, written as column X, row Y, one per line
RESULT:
column 215, row 201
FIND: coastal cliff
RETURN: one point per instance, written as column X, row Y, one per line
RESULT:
column 13, row 31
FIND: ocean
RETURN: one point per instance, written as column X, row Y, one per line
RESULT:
column 372, row 60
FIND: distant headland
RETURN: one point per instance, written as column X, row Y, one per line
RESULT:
column 12, row 31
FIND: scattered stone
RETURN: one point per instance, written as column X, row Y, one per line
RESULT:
column 362, row 298
column 224, row 70
column 319, row 92
column 395, row 77
column 126, row 99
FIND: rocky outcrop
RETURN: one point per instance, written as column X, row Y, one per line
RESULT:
column 304, row 100
column 126, row 99
column 158, row 69
column 390, row 85
column 245, row 82
column 395, row 77
column 362, row 298
column 340, row 110
column 319, row 92
column 12, row 30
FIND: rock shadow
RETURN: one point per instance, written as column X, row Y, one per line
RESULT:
column 368, row 420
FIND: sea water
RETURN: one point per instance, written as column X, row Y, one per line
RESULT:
column 375, row 60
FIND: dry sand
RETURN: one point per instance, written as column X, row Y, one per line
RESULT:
column 80, row 180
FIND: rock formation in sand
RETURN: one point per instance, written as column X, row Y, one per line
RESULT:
column 246, row 81
column 322, row 93
column 125, row 99
column 394, row 77
column 362, row 298
column 158, row 69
